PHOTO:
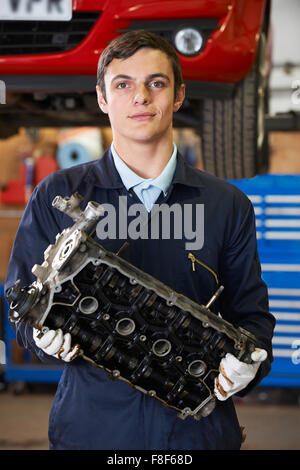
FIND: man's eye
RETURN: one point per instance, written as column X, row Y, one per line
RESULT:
column 157, row 84
column 122, row 85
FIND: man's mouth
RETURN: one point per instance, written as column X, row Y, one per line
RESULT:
column 142, row 116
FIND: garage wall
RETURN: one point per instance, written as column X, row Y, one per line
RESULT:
column 285, row 74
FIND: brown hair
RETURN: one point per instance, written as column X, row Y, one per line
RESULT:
column 126, row 45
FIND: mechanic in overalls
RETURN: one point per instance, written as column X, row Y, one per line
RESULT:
column 140, row 86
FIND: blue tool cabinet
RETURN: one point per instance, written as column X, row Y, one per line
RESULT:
column 276, row 201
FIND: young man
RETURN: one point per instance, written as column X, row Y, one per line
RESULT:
column 139, row 87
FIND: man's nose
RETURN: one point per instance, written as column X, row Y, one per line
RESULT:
column 142, row 95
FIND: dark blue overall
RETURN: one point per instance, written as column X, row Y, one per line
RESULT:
column 89, row 410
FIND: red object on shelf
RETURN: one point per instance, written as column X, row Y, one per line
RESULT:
column 43, row 167
column 18, row 191
column 14, row 192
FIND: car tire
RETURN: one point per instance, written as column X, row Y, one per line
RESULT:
column 234, row 141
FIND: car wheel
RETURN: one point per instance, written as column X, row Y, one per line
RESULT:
column 234, row 141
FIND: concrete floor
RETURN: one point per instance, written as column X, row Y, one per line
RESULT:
column 271, row 421
column 270, row 427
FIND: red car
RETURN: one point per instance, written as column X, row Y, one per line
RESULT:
column 49, row 51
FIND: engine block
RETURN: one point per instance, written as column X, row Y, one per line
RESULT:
column 127, row 322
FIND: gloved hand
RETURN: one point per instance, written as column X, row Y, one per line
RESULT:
column 236, row 375
column 55, row 343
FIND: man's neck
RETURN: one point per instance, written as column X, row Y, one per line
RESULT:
column 146, row 159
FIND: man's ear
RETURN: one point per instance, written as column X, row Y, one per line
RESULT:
column 101, row 100
column 179, row 97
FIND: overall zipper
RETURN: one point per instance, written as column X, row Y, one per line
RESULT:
column 195, row 260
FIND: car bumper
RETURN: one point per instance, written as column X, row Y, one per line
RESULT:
column 227, row 56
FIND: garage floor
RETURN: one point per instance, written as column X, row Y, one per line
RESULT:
column 271, row 419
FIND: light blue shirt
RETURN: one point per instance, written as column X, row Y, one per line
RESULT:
column 149, row 189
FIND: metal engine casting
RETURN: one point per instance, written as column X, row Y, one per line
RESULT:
column 126, row 321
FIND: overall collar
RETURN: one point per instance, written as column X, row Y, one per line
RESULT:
column 103, row 173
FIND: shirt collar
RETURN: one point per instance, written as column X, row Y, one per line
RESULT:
column 130, row 178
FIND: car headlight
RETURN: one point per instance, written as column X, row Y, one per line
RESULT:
column 188, row 41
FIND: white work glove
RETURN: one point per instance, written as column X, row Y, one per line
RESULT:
column 55, row 343
column 236, row 375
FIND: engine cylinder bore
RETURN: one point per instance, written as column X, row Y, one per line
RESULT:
column 88, row 305
column 161, row 347
column 125, row 326
column 197, row 368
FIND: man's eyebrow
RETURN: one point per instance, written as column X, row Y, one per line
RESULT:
column 149, row 77
column 158, row 75
column 124, row 77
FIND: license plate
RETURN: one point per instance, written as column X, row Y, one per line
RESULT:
column 36, row 10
